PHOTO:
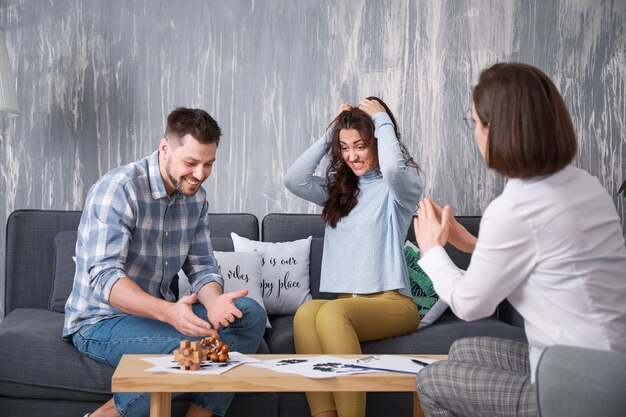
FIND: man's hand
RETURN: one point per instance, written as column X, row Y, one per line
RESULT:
column 128, row 297
column 222, row 309
column 183, row 319
column 431, row 230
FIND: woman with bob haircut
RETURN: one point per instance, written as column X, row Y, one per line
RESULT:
column 551, row 244
column 368, row 197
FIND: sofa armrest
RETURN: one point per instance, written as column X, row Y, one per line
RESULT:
column 578, row 382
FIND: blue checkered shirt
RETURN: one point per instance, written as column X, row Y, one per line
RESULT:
column 131, row 228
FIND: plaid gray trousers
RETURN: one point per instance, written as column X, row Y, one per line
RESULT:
column 483, row 376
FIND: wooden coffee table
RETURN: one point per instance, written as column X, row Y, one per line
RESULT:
column 131, row 376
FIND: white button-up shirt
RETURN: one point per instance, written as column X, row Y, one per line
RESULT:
column 554, row 247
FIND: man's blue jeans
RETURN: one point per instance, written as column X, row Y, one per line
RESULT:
column 107, row 340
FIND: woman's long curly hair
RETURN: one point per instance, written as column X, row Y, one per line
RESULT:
column 342, row 182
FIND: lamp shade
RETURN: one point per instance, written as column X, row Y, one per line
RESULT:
column 8, row 98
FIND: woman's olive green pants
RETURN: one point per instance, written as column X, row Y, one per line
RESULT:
column 338, row 326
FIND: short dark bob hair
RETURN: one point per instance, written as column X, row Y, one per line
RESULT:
column 530, row 130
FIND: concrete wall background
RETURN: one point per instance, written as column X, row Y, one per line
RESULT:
column 96, row 80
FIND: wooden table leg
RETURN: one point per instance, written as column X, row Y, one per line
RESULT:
column 160, row 404
column 417, row 408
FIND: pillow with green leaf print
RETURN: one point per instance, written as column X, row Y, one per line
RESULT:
column 422, row 289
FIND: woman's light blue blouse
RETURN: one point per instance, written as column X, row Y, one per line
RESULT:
column 364, row 253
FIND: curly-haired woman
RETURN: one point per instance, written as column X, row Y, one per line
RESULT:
column 368, row 197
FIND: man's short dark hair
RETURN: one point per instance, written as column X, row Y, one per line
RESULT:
column 195, row 122
column 530, row 130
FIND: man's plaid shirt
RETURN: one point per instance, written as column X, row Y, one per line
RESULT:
column 130, row 227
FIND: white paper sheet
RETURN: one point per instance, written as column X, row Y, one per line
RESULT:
column 395, row 363
column 313, row 367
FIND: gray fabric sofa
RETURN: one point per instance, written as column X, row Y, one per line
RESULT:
column 43, row 375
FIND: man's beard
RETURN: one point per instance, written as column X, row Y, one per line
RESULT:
column 176, row 184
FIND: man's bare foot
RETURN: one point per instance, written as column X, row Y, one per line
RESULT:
column 195, row 411
column 106, row 410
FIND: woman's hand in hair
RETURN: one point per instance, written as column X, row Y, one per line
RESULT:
column 371, row 107
column 431, row 229
column 458, row 237
column 344, row 107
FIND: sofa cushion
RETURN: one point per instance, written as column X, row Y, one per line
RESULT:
column 430, row 306
column 280, row 337
column 38, row 363
column 29, row 268
column 64, row 268
column 317, row 249
column 221, row 243
column 285, row 272
column 437, row 338
column 242, row 270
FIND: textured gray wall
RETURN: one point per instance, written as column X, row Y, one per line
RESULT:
column 96, row 80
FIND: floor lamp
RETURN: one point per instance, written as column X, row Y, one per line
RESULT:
column 8, row 98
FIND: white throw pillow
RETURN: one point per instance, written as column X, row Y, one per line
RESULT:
column 430, row 306
column 284, row 273
column 242, row 270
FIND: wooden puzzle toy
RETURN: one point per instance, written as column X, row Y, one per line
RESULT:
column 190, row 354
column 215, row 349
